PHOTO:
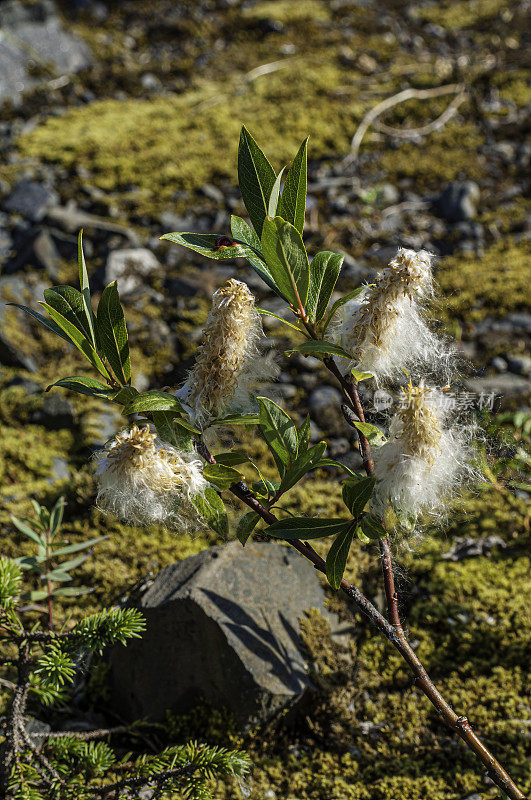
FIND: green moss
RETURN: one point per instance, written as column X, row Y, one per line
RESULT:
column 458, row 14
column 124, row 144
column 446, row 155
column 495, row 284
column 287, row 12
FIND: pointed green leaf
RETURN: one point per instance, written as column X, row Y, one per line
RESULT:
column 125, row 395
column 358, row 375
column 74, row 548
column 303, row 435
column 69, row 302
column 85, row 289
column 221, row 476
column 256, row 178
column 242, row 232
column 336, row 560
column 324, row 272
column 280, row 319
column 373, row 434
column 372, row 527
column 112, row 332
column 315, row 348
column 153, row 401
column 357, row 493
column 211, row 507
column 339, row 303
column 56, row 516
column 77, row 338
column 207, row 244
column 287, row 259
column 83, row 385
column 307, row 528
column 275, row 193
column 292, row 205
column 46, row 322
column 74, row 562
column 279, row 432
column 71, row 591
column 304, row 463
column 232, row 459
column 246, row 526
column 27, row 531
column 237, row 419
column 58, row 575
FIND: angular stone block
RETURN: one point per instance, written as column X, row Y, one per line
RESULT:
column 222, row 625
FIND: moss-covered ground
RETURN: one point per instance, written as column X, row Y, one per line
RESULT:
column 368, row 733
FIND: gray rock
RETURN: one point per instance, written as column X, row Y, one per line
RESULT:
column 29, row 386
column 499, row 364
column 60, row 470
column 519, row 363
column 324, row 404
column 130, row 267
column 31, row 199
column 107, row 423
column 458, row 201
column 469, row 547
column 33, row 40
column 71, row 220
column 14, row 289
column 56, row 412
column 498, row 390
column 222, row 625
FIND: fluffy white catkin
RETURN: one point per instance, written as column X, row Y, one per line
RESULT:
column 143, row 480
column 228, row 362
column 384, row 327
column 425, row 458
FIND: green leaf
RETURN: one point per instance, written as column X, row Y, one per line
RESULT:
column 74, row 548
column 246, row 526
column 125, row 395
column 242, row 232
column 336, row 559
column 85, row 288
column 57, row 575
column 221, row 476
column 372, row 527
column 163, row 421
column 358, row 375
column 71, row 591
column 315, row 348
column 73, row 563
column 303, row 435
column 331, row 462
column 112, row 332
column 69, row 302
column 373, row 434
column 307, row 528
column 34, row 596
column 287, row 259
column 211, row 507
column 83, row 385
column 304, row 463
column 237, row 419
column 46, row 322
column 27, row 531
column 357, row 493
column 207, row 245
column 339, row 303
column 56, row 516
column 361, row 536
column 279, row 432
column 77, row 338
column 284, row 322
column 275, row 192
column 153, row 401
column 292, row 205
column 232, row 459
column 324, row 272
column 256, row 178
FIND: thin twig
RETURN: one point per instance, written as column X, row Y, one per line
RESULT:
column 430, row 127
column 390, row 102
